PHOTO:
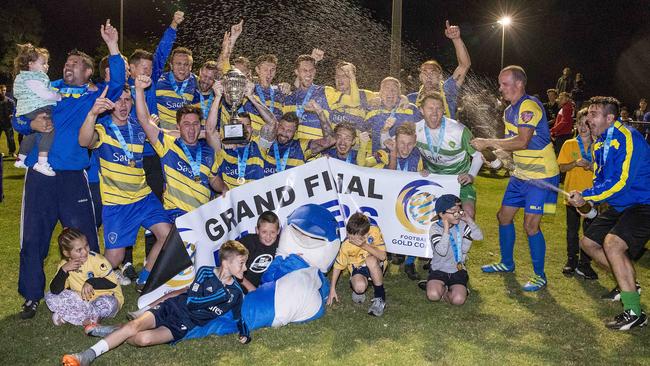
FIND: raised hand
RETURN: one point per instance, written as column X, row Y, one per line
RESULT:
column 285, row 88
column 102, row 104
column 235, row 32
column 389, row 144
column 317, row 54
column 451, row 31
column 179, row 16
column 109, row 33
column 250, row 87
column 390, row 122
column 154, row 119
column 364, row 137
column 142, row 82
column 217, row 87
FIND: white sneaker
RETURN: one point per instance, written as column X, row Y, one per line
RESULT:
column 121, row 278
column 20, row 164
column 45, row 169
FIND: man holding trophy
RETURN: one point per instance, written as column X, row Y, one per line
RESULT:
column 618, row 235
column 242, row 158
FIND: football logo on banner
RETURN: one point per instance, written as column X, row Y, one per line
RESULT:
column 414, row 208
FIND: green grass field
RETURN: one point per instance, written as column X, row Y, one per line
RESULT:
column 499, row 324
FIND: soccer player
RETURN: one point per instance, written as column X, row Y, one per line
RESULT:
column 431, row 75
column 188, row 163
column 390, row 114
column 445, row 148
column 176, row 87
column 352, row 103
column 244, row 162
column 268, row 94
column 208, row 74
column 65, row 197
column 213, row 293
column 363, row 254
column 618, row 235
column 127, row 200
column 527, row 137
column 297, row 101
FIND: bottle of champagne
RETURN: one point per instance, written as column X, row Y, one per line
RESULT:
column 588, row 210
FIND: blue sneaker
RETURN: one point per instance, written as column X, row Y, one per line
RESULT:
column 535, row 283
column 497, row 267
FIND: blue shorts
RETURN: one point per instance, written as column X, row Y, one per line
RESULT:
column 174, row 213
column 122, row 222
column 173, row 315
column 535, row 199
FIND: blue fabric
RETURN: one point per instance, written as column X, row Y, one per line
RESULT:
column 409, row 260
column 537, row 246
column 68, row 116
column 530, row 195
column 122, row 222
column 507, row 243
column 46, row 201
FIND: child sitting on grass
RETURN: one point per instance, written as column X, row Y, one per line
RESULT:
column 212, row 293
column 85, row 288
column 363, row 253
column 451, row 237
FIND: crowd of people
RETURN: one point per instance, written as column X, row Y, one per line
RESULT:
column 143, row 146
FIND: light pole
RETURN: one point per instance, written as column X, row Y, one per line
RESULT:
column 396, row 39
column 505, row 21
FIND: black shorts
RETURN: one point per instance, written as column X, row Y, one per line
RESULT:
column 364, row 271
column 172, row 314
column 632, row 225
column 449, row 279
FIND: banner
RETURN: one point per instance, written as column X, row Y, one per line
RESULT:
column 400, row 203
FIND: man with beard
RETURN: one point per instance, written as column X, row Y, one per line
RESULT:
column 431, row 75
column 64, row 197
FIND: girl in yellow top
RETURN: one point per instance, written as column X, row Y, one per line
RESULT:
column 575, row 159
column 85, row 288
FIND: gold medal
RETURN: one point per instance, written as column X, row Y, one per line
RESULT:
column 132, row 163
column 459, row 266
column 197, row 178
column 241, row 180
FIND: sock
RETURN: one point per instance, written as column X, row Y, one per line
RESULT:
column 631, row 301
column 537, row 246
column 379, row 292
column 99, row 348
column 507, row 243
column 42, row 159
column 409, row 260
column 128, row 255
column 144, row 275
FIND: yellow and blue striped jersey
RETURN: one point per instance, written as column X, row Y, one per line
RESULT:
column 181, row 190
column 351, row 108
column 265, row 96
column 228, row 168
column 538, row 160
column 309, row 127
column 119, row 182
column 296, row 151
column 169, row 100
column 376, row 118
column 622, row 176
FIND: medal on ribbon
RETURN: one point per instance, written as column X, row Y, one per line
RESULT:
column 195, row 163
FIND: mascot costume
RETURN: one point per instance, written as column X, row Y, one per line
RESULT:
column 294, row 288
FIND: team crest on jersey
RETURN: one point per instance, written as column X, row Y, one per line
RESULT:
column 112, row 237
column 141, row 136
column 526, row 116
column 91, row 275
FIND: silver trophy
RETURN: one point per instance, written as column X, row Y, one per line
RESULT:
column 234, row 86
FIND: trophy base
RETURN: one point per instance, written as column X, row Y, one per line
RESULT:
column 234, row 141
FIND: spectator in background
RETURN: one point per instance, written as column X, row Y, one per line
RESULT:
column 578, row 91
column 638, row 114
column 7, row 108
column 563, row 127
column 565, row 82
column 624, row 116
column 552, row 107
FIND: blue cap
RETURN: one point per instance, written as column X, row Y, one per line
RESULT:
column 445, row 202
column 315, row 220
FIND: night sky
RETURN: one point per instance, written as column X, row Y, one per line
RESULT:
column 607, row 41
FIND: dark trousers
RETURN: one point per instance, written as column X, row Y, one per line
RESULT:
column 46, row 201
column 575, row 255
column 154, row 175
column 9, row 134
